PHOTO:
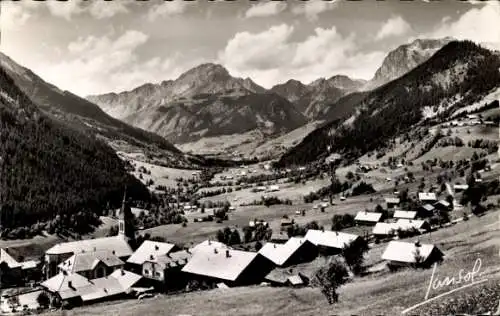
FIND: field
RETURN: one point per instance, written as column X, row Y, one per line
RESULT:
column 386, row 293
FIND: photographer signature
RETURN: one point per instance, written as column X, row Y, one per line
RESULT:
column 466, row 278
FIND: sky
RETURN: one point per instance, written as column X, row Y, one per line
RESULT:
column 97, row 46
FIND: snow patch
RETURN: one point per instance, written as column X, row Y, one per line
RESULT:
column 492, row 96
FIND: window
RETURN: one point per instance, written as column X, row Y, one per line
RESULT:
column 146, row 271
column 158, row 274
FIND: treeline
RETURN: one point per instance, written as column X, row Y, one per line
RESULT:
column 51, row 173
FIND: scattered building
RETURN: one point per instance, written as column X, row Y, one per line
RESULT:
column 400, row 253
column 294, row 251
column 285, row 277
column 330, row 242
column 233, row 267
column 12, row 271
column 427, row 197
column 460, row 187
column 368, row 218
column 443, row 205
column 405, row 214
column 392, row 202
column 426, row 210
column 92, row 265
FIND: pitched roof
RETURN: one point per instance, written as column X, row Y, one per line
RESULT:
column 89, row 260
column 7, row 258
column 405, row 214
column 30, row 264
column 427, row 196
column 150, row 248
column 173, row 259
column 383, row 228
column 120, row 281
column 460, row 186
column 330, row 238
column 280, row 253
column 368, row 216
column 60, row 283
column 218, row 265
column 209, row 245
column 443, row 203
column 405, row 251
column 410, row 223
column 115, row 243
column 392, row 200
column 428, row 207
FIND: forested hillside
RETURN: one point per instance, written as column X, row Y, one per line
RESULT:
column 51, row 176
column 457, row 75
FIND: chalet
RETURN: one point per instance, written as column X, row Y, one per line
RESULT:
column 443, row 205
column 367, row 218
column 165, row 270
column 330, row 242
column 407, row 224
column 75, row 289
column 392, row 202
column 427, row 197
column 92, row 265
column 384, row 229
column 147, row 250
column 11, row 272
column 273, row 188
column 286, row 277
column 285, row 223
column 405, row 214
column 117, row 245
column 460, row 187
column 232, row 267
column 294, row 251
column 279, row 238
column 426, row 210
column 400, row 253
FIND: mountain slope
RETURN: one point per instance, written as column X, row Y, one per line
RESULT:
column 458, row 74
column 205, row 101
column 51, row 172
column 204, row 79
column 406, row 57
column 86, row 116
column 312, row 99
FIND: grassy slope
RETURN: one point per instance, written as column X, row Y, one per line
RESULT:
column 386, row 294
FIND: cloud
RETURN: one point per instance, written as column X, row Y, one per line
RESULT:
column 105, row 9
column 265, row 9
column 93, row 65
column 14, row 15
column 270, row 56
column 480, row 24
column 395, row 26
column 166, row 9
column 312, row 9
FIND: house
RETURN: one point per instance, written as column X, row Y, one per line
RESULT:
column 209, row 245
column 460, row 187
column 117, row 245
column 273, row 188
column 368, row 218
column 427, row 197
column 92, row 265
column 426, row 210
column 443, row 205
column 232, row 267
column 165, row 270
column 407, row 224
column 392, row 202
column 384, row 229
column 279, row 237
column 75, row 289
column 148, row 249
column 10, row 269
column 405, row 214
column 294, row 251
column 400, row 253
column 286, row 277
column 330, row 242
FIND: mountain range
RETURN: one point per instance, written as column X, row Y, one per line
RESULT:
column 206, row 102
column 457, row 75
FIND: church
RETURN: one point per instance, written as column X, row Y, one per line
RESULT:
column 118, row 246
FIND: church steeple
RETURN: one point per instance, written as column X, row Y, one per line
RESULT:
column 121, row 216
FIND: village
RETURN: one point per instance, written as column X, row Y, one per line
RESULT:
column 388, row 238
